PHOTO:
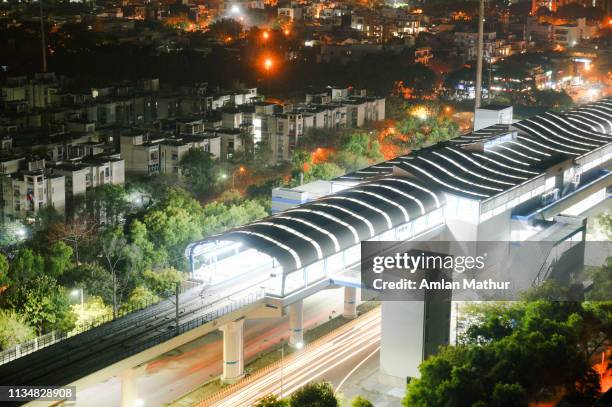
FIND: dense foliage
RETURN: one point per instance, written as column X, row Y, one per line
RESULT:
column 514, row 354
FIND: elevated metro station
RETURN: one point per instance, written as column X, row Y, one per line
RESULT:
column 505, row 182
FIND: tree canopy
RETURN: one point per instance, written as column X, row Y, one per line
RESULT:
column 514, row 354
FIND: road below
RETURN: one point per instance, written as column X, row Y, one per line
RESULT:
column 332, row 358
column 175, row 373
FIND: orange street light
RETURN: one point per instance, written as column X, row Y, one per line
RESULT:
column 265, row 35
column 268, row 64
column 286, row 31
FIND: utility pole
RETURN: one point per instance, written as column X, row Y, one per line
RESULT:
column 42, row 38
column 282, row 350
column 479, row 54
column 176, row 305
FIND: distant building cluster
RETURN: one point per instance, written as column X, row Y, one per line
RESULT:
column 58, row 141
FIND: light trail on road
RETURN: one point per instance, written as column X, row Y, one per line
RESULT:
column 342, row 349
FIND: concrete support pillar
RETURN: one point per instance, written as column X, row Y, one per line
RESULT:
column 423, row 325
column 401, row 342
column 128, row 388
column 233, row 351
column 296, row 326
column 350, row 302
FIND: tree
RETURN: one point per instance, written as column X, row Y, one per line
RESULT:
column 357, row 143
column 262, row 154
column 44, row 304
column 113, row 248
column 149, row 256
column 75, row 233
column 603, row 226
column 5, row 281
column 25, row 266
column 320, row 394
column 224, row 28
column 361, row 402
column 218, row 217
column 324, row 171
column 11, row 232
column 301, row 160
column 13, row 329
column 551, row 99
column 199, row 168
column 112, row 201
column 601, row 288
column 58, row 259
column 94, row 312
column 139, row 298
column 163, row 281
column 175, row 221
column 514, row 354
column 94, row 279
column 271, row 400
column 350, row 162
column 395, row 108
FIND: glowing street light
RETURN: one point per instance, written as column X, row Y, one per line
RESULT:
column 235, row 9
column 420, row 112
column 268, row 64
column 21, row 233
column 265, row 35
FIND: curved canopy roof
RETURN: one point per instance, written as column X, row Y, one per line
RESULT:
column 318, row 229
column 381, row 201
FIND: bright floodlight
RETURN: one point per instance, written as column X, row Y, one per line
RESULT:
column 235, row 9
column 299, row 345
column 74, row 293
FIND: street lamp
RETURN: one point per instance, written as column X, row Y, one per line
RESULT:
column 282, row 352
column 268, row 64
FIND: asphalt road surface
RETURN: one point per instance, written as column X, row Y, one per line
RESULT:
column 176, row 373
column 333, row 359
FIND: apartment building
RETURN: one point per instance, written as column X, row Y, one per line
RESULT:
column 334, row 109
column 25, row 193
column 172, row 151
column 141, row 153
column 91, row 172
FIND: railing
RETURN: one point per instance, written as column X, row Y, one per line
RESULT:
column 48, row 339
column 194, row 323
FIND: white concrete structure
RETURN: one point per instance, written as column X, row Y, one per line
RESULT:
column 233, row 351
column 491, row 115
column 296, row 324
column 350, row 302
